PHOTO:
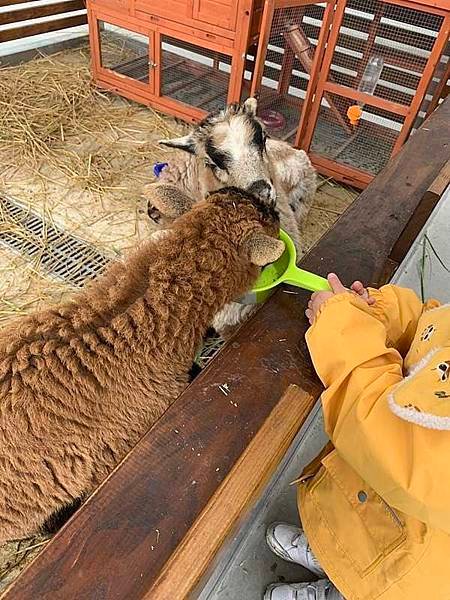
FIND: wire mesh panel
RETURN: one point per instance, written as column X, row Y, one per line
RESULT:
column 400, row 38
column 436, row 89
column 378, row 64
column 123, row 51
column 366, row 147
column 195, row 76
column 290, row 52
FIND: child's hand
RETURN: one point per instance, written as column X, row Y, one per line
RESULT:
column 362, row 292
column 318, row 298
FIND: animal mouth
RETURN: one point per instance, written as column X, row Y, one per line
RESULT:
column 154, row 214
column 263, row 190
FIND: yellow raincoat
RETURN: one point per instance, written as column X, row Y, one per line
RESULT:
column 376, row 504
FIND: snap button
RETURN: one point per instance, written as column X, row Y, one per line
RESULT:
column 362, row 496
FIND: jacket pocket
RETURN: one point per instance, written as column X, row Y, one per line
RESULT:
column 361, row 525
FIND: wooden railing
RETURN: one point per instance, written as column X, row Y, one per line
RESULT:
column 27, row 16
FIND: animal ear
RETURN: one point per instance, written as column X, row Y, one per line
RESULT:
column 167, row 200
column 251, row 105
column 263, row 249
column 185, row 143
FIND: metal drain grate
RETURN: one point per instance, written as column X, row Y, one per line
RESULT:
column 54, row 250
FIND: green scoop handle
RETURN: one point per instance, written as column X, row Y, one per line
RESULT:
column 304, row 279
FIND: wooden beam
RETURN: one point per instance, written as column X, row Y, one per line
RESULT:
column 23, row 31
column 158, row 492
column 11, row 2
column 233, row 498
column 369, row 99
column 420, row 216
column 35, row 12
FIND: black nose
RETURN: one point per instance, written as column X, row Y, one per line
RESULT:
column 261, row 189
column 154, row 213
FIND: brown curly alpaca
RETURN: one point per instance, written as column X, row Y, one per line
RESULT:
column 82, row 382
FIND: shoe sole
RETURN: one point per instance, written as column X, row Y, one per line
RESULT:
column 277, row 548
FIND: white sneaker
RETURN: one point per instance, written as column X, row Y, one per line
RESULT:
column 290, row 543
column 319, row 590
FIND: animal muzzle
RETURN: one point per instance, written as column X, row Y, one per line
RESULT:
column 262, row 189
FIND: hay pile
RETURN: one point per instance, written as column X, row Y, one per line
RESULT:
column 54, row 121
column 75, row 155
column 40, row 109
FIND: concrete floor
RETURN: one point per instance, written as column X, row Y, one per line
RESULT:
column 246, row 566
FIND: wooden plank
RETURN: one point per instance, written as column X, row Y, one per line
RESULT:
column 419, row 16
column 23, row 31
column 419, row 218
column 441, row 182
column 11, row 2
column 340, row 59
column 105, row 551
column 342, row 173
column 233, row 498
column 345, row 92
column 266, row 25
column 391, row 55
column 427, row 75
column 315, row 72
column 34, row 12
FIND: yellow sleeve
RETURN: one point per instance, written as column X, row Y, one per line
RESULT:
column 396, row 458
column 399, row 309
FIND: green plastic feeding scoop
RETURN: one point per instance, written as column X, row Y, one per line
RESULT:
column 284, row 270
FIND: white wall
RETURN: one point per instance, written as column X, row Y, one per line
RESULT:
column 436, row 280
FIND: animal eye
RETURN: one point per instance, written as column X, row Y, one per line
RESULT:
column 210, row 164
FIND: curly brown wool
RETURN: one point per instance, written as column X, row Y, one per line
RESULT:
column 82, row 382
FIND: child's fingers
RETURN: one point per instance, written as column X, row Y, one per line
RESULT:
column 309, row 315
column 358, row 287
column 336, row 284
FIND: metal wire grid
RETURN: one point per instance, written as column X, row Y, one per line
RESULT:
column 53, row 250
column 62, row 255
column 366, row 147
column 195, row 76
column 402, row 37
column 291, row 46
column 124, row 52
column 441, row 76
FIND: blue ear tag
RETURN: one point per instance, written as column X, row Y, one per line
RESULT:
column 158, row 168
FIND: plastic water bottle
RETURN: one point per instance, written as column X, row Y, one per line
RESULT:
column 368, row 83
column 371, row 75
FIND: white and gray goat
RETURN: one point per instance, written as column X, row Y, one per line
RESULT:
column 231, row 147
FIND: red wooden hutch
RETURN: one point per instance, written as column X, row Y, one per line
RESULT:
column 305, row 59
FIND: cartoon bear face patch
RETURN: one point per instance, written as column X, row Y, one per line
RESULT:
column 427, row 333
column 443, row 370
